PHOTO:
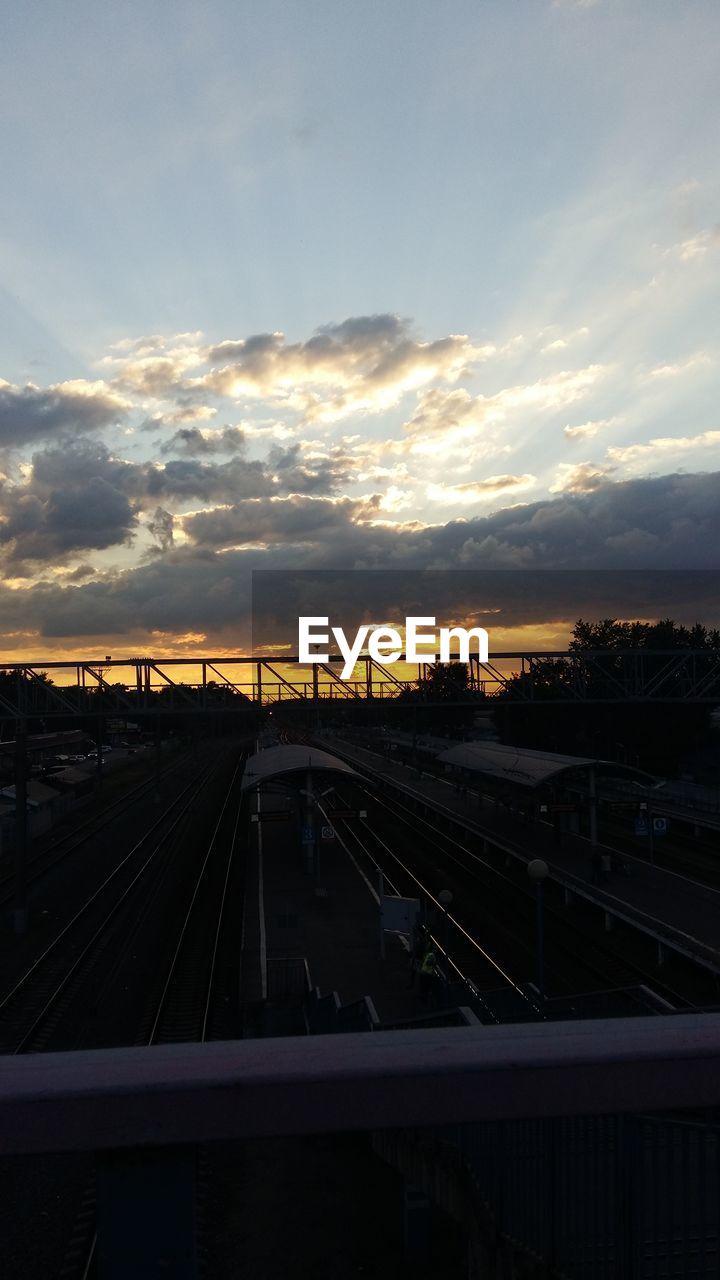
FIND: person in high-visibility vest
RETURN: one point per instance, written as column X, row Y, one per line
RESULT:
column 426, row 973
column 417, row 950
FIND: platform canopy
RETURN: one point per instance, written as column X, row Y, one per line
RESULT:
column 526, row 768
column 47, row 741
column 277, row 762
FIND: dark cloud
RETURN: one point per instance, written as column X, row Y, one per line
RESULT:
column 80, row 496
column 667, row 522
column 161, row 526
column 367, row 361
column 184, row 479
column 194, row 441
column 178, row 478
column 672, row 522
column 188, row 478
column 29, row 413
column 496, row 599
column 78, row 464
column 65, row 521
column 308, row 470
column 335, row 353
column 80, row 573
column 185, row 589
column 284, row 520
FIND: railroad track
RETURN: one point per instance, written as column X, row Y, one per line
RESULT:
column 33, row 1006
column 501, row 910
column 195, row 999
column 467, row 961
column 692, row 859
column 61, row 848
column 186, row 1009
column 612, row 971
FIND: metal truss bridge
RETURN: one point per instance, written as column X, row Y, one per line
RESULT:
column 131, row 687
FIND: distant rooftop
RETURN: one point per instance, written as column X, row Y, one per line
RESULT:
column 276, row 762
column 528, row 768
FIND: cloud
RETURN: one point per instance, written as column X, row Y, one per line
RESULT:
column 365, row 363
column 580, row 477
column 586, row 430
column 146, row 483
column 458, row 413
column 79, row 517
column 696, row 247
column 562, row 343
column 82, row 496
column 30, row 413
column 79, row 573
column 296, row 519
column 472, row 491
column 192, row 440
column 184, row 411
column 700, row 360
column 306, row 467
column 270, row 431
column 161, row 526
column 670, row 522
column 664, row 444
column 155, row 367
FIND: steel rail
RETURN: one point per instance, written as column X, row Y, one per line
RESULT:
column 57, row 991
column 190, row 911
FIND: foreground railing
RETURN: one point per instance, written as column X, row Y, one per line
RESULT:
column 551, row 1119
column 592, row 1196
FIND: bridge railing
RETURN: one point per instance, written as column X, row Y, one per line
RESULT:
column 140, row 686
column 552, row 1119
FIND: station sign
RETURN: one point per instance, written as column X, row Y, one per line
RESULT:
column 398, row 915
column 271, row 815
column 644, row 824
column 327, row 833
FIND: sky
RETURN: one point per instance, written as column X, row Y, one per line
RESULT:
column 308, row 284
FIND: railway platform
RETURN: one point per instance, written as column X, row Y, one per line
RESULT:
column 328, row 921
column 678, row 913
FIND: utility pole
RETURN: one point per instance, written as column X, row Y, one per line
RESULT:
column 309, row 833
column 158, row 758
column 21, row 780
column 593, row 808
column 100, row 732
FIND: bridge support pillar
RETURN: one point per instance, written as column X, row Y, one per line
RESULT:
column 416, row 1222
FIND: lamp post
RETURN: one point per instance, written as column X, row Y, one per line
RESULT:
column 445, row 899
column 538, row 872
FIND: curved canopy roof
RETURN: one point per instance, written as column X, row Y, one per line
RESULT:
column 526, row 768
column 275, row 762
